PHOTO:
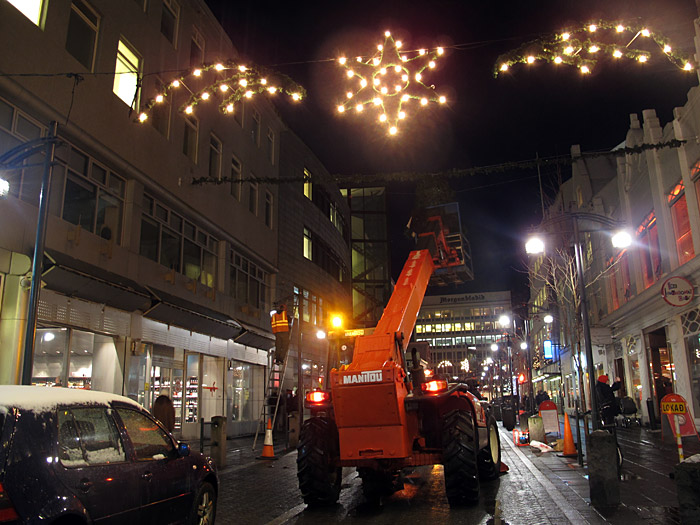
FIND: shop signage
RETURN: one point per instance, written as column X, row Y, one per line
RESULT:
column 550, row 419
column 677, row 291
column 680, row 420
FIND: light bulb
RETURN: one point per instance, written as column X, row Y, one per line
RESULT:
column 377, row 101
column 405, row 98
column 645, row 32
column 263, row 81
column 399, row 43
column 440, row 51
column 620, row 28
column 349, row 94
column 442, row 100
column 642, row 58
column 359, row 107
column 359, row 59
column 223, row 87
column 175, row 83
column 424, row 101
column 688, row 66
column 248, row 94
column 383, row 71
column 342, row 60
column 380, row 47
column 272, row 90
column 431, row 64
column 382, row 118
column 504, row 67
column 397, row 69
column 159, row 98
column 592, row 28
column 387, row 33
column 143, row 117
column 341, row 109
column 557, row 60
column 205, row 96
column 363, row 83
column 393, row 130
column 243, row 82
column 418, row 77
column 188, row 110
column 375, row 61
column 376, row 81
column 667, row 48
column 229, row 108
column 421, row 52
column 296, row 96
column 565, row 36
column 585, row 69
column 219, row 67
column 404, row 78
column 397, row 88
column 350, row 73
column 569, row 50
column 197, row 72
column 617, row 53
column 404, row 58
column 384, row 90
column 594, row 49
column 402, row 114
column 530, row 59
column 242, row 69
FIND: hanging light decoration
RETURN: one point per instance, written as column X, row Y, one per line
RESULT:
column 226, row 82
column 389, row 82
column 584, row 46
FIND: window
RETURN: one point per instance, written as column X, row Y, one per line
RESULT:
column 126, row 75
column 168, row 20
column 308, row 188
column 308, row 245
column 196, row 48
column 190, row 138
column 176, row 243
column 149, row 440
column 268, row 209
column 253, row 197
column 255, row 131
column 312, row 306
column 81, row 39
column 32, row 9
column 87, row 194
column 238, row 112
column 648, row 237
column 271, row 146
column 88, row 436
column 681, row 224
column 619, row 280
column 214, row 157
column 160, row 112
column 236, row 175
column 249, row 283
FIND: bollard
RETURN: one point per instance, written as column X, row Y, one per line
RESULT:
column 687, row 476
column 651, row 412
column 218, row 441
column 603, row 479
column 508, row 416
column 536, row 427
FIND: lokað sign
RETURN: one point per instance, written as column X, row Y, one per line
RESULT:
column 675, row 406
column 677, row 291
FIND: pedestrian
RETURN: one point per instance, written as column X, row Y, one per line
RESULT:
column 668, row 386
column 280, row 327
column 605, row 394
column 164, row 411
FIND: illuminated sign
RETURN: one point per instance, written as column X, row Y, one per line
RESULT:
column 548, row 349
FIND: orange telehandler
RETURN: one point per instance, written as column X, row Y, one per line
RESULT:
column 382, row 416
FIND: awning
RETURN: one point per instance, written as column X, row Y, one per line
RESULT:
column 254, row 336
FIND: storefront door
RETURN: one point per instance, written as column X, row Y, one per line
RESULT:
column 661, row 369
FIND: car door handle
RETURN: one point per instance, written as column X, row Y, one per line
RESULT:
column 85, row 484
column 147, row 476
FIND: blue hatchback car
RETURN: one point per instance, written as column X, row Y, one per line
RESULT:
column 74, row 456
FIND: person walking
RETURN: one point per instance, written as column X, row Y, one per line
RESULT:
column 164, row 411
column 280, row 327
column 606, row 399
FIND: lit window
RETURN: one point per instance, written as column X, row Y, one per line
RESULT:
column 648, row 237
column 681, row 224
column 214, row 158
column 82, row 33
column 308, row 189
column 126, row 75
column 32, row 9
column 168, row 20
column 308, row 245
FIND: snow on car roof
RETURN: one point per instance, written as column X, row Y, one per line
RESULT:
column 41, row 398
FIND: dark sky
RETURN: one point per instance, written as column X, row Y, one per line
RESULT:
column 540, row 109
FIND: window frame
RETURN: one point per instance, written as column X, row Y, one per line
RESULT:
column 269, row 210
column 191, row 126
column 253, row 196
column 216, row 150
column 173, row 8
column 256, row 127
column 678, row 206
column 36, row 16
column 236, row 178
column 135, row 70
column 197, row 41
column 94, row 26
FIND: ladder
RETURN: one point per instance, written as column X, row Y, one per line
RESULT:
column 275, row 380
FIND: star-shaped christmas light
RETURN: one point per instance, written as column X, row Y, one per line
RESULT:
column 390, row 83
column 583, row 46
column 226, row 82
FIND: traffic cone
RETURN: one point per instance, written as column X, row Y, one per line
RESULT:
column 569, row 447
column 268, row 451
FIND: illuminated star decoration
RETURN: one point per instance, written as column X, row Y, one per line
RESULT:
column 582, row 47
column 228, row 83
column 390, row 82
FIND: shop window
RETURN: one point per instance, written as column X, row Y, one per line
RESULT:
column 81, row 39
column 32, row 9
column 126, row 75
column 681, row 224
column 168, row 20
column 196, row 48
column 693, row 345
column 50, row 357
column 192, row 391
column 212, row 387
column 648, row 239
column 150, row 442
column 248, row 388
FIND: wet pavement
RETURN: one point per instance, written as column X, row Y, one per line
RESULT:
column 538, row 489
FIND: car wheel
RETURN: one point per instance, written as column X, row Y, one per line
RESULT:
column 319, row 447
column 459, row 452
column 489, row 459
column 204, row 508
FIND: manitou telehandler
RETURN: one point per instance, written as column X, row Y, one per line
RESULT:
column 381, row 416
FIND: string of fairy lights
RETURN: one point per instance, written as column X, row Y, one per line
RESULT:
column 583, row 46
column 389, row 80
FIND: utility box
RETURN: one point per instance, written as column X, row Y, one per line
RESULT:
column 218, row 440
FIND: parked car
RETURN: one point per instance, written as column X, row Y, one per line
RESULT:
column 75, row 456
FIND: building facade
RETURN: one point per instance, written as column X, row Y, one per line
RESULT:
column 152, row 284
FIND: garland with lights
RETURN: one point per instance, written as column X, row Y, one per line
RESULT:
column 580, row 48
column 409, row 176
column 231, row 82
column 388, row 80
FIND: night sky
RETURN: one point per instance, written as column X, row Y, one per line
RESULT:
column 540, row 109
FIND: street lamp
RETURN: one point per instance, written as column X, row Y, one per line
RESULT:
column 620, row 239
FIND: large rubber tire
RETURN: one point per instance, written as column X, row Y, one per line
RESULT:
column 489, row 458
column 204, row 507
column 459, row 452
column 319, row 480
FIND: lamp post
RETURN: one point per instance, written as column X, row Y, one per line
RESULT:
column 621, row 239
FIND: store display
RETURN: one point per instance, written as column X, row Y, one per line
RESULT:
column 191, row 399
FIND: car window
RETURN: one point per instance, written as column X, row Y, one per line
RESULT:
column 88, row 436
column 149, row 440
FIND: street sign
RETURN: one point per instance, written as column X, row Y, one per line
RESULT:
column 550, row 418
column 679, row 418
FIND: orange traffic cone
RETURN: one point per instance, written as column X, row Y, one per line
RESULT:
column 569, row 447
column 268, row 451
